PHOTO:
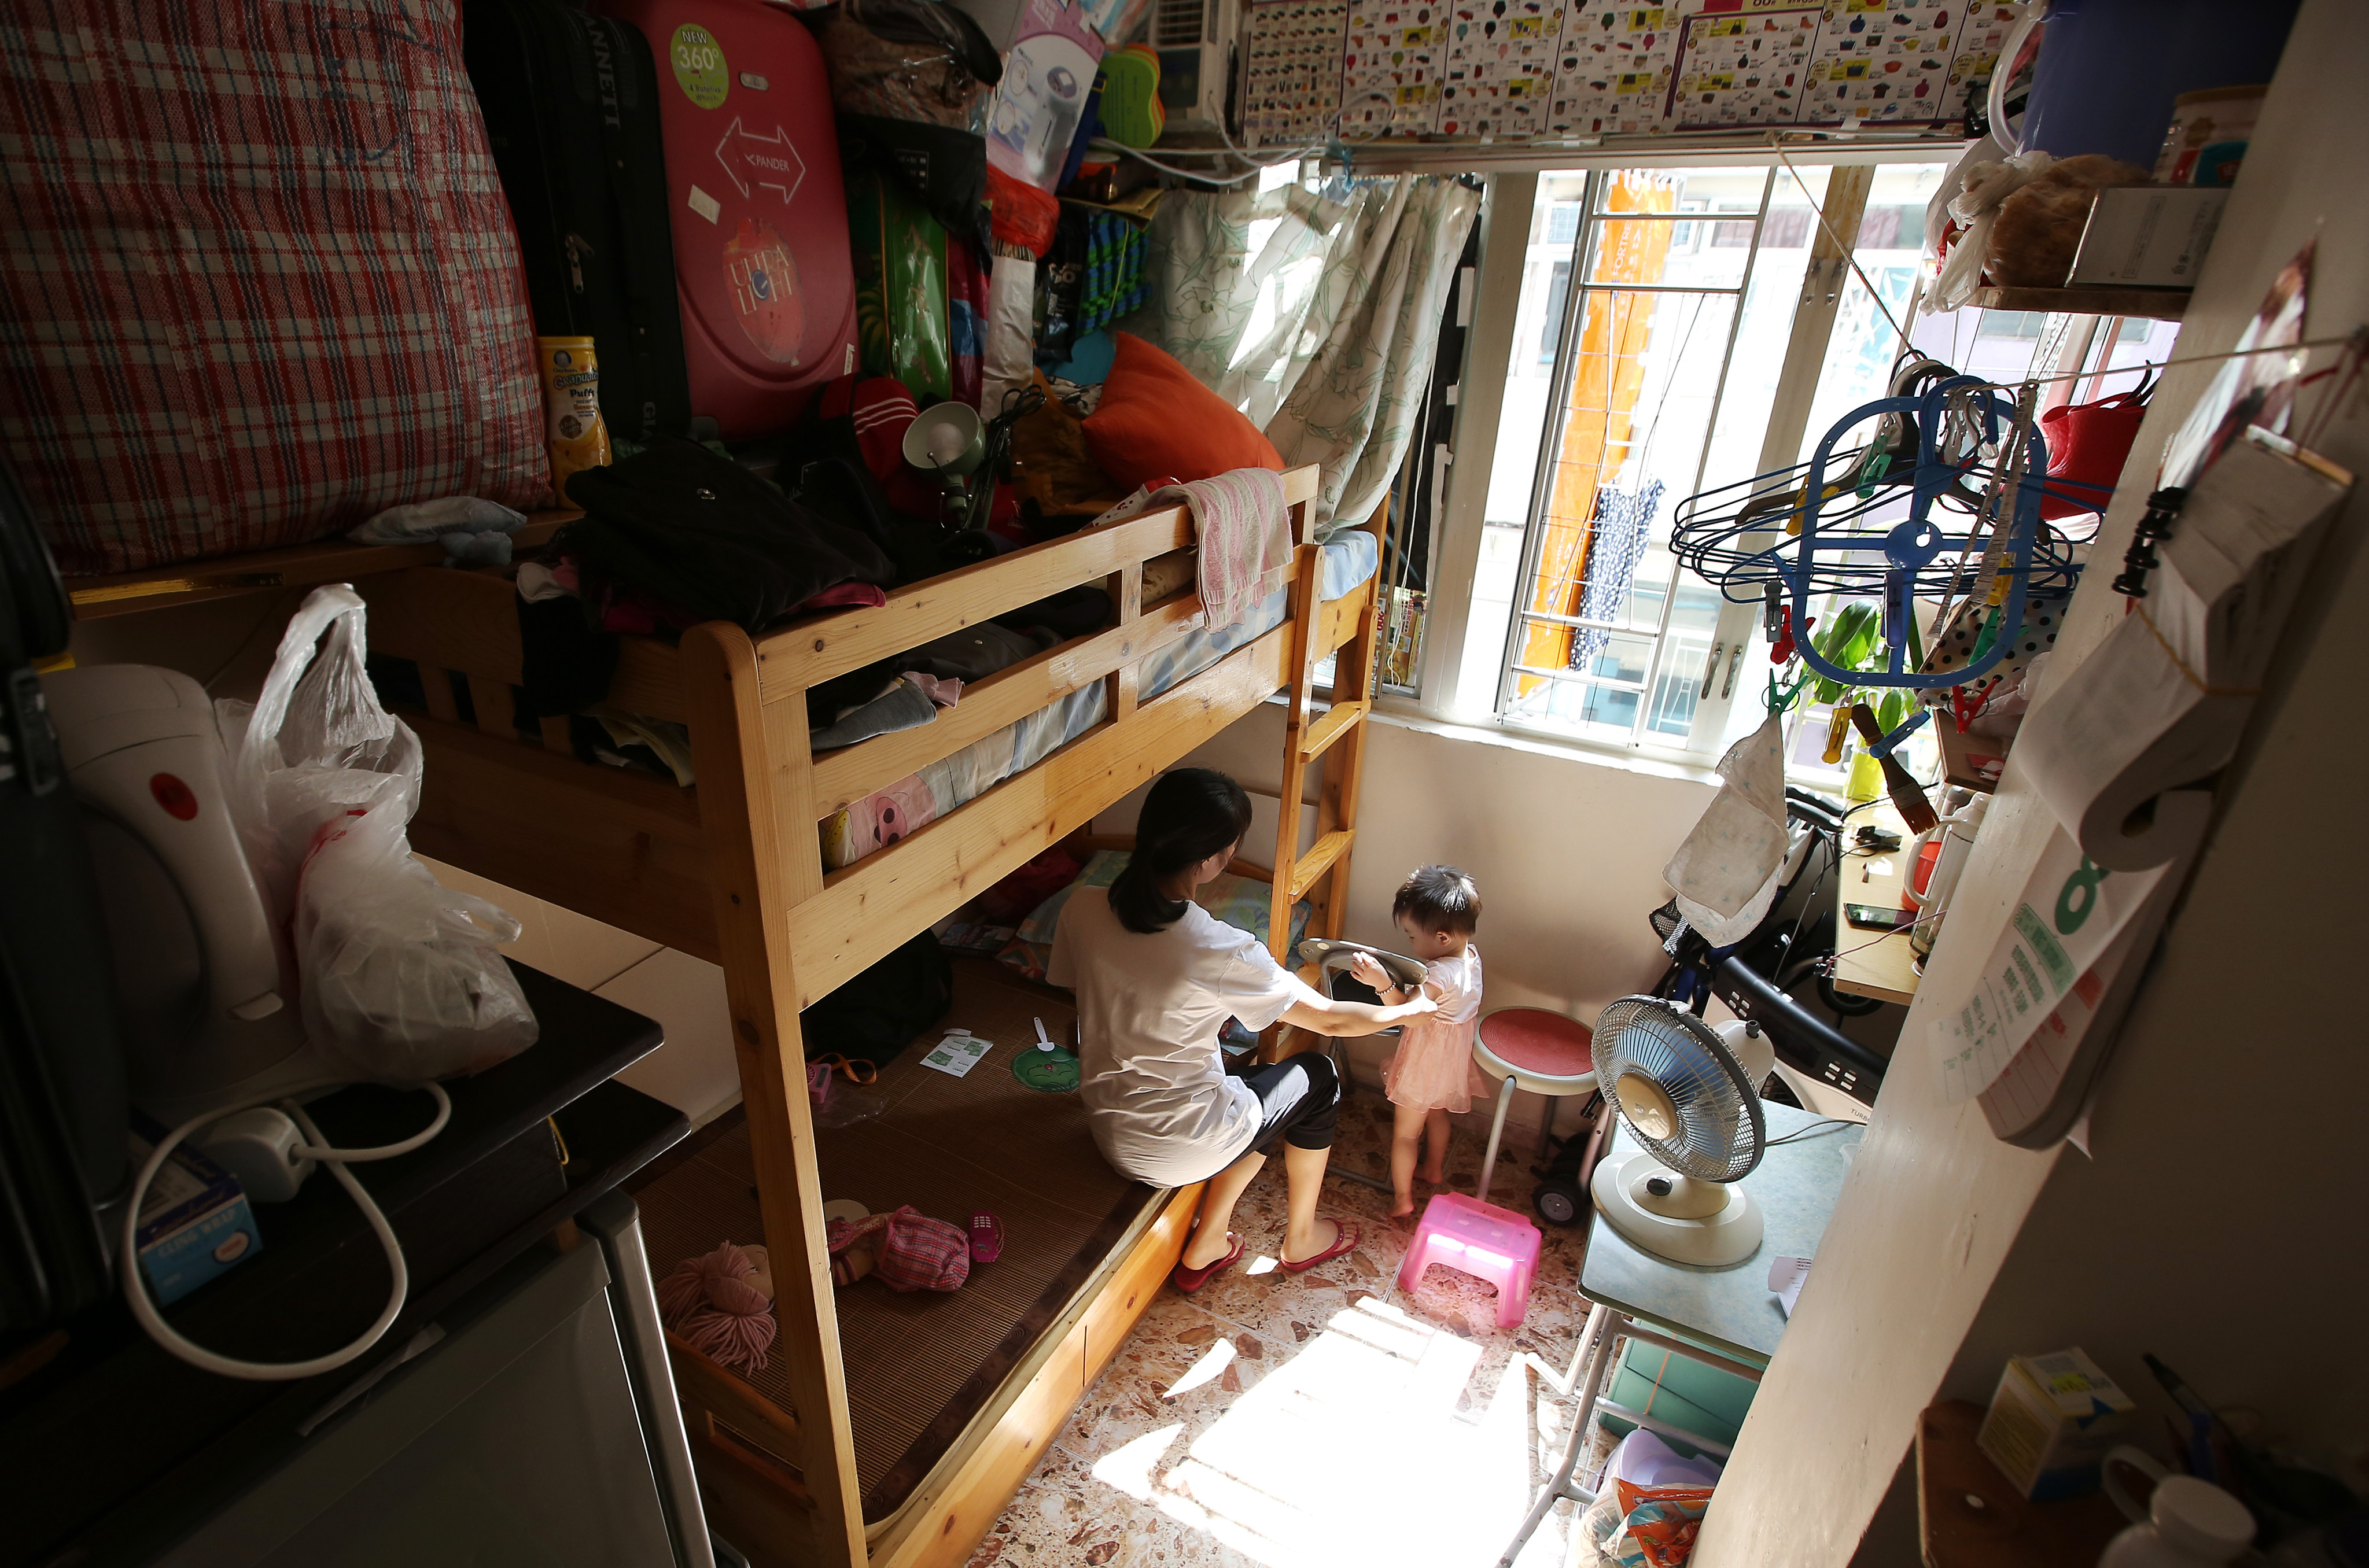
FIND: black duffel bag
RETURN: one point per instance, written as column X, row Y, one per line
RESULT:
column 699, row 532
column 880, row 1012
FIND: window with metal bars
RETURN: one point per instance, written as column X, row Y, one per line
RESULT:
column 1652, row 362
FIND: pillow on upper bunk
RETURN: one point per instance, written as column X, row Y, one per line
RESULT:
column 1157, row 421
column 1240, row 901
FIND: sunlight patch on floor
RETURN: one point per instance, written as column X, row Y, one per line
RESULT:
column 1353, row 1449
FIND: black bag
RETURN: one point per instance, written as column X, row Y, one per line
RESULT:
column 64, row 1114
column 702, row 533
column 878, row 1012
column 571, row 108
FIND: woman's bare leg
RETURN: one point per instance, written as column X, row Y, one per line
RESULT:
column 1406, row 1138
column 1304, row 1236
column 1436, row 1129
column 1207, row 1243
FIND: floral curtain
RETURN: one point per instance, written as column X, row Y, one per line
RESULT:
column 1318, row 318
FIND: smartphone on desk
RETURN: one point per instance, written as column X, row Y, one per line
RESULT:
column 1870, row 917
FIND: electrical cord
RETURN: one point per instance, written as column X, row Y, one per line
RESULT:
column 1815, row 1129
column 136, row 1291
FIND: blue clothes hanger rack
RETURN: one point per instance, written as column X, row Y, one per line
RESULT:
column 1972, row 526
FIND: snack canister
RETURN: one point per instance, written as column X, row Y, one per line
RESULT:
column 2207, row 137
column 574, row 433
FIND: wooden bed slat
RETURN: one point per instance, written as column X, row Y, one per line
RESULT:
column 1337, row 722
column 1004, row 698
column 264, row 571
column 808, row 653
column 881, row 901
column 467, row 620
column 1319, row 860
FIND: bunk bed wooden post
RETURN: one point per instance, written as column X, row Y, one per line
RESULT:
column 1344, row 765
column 1306, row 580
column 756, row 801
column 1121, row 685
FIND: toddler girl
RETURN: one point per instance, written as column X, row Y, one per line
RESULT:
column 1431, row 1073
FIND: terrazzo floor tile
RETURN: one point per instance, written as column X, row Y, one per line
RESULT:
column 1276, row 1419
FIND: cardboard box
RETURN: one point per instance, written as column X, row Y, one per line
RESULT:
column 2147, row 236
column 194, row 1223
column 2051, row 1423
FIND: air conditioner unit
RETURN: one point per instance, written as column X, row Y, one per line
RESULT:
column 1200, row 43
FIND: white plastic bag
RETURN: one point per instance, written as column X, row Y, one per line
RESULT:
column 315, row 741
column 402, row 984
column 399, row 976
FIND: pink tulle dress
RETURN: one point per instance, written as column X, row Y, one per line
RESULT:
column 1433, row 1066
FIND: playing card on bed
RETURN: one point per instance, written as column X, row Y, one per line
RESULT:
column 957, row 1053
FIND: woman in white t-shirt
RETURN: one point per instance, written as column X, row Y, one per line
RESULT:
column 1156, row 978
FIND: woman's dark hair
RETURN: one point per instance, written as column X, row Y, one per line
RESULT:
column 1440, row 897
column 1190, row 815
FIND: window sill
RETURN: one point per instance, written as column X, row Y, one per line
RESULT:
column 1402, row 713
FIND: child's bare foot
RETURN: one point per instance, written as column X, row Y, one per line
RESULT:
column 1434, row 1177
column 1402, row 1206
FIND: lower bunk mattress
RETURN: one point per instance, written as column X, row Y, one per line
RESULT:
column 881, row 818
column 922, row 1368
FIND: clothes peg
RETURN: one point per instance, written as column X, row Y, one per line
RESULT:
column 1836, row 725
column 1782, row 650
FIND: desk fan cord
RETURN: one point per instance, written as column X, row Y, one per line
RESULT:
column 135, row 1290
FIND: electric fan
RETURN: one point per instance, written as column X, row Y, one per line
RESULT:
column 1688, row 1101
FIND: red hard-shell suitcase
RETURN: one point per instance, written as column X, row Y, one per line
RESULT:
column 758, row 214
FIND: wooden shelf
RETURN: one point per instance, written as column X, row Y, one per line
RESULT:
column 2158, row 305
column 1969, row 1516
column 264, row 571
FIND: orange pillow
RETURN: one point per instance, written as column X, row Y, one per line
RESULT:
column 1157, row 421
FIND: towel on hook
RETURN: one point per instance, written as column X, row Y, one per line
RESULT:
column 1244, row 534
column 1730, row 862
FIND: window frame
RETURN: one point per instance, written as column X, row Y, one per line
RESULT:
column 1715, row 695
column 1457, row 691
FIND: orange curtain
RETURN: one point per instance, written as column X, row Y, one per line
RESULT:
column 1607, row 371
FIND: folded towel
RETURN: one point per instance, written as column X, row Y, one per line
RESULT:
column 1244, row 537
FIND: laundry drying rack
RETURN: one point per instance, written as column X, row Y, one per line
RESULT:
column 1970, row 463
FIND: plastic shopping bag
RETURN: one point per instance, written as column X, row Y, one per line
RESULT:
column 399, row 976
column 402, row 984
column 314, row 742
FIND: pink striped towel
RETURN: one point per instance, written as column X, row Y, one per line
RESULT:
column 1245, row 537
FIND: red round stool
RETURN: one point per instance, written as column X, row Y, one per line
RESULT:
column 1543, row 1052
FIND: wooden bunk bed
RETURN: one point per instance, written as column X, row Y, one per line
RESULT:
column 731, row 871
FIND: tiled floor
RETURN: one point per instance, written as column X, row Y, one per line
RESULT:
column 1328, row 1418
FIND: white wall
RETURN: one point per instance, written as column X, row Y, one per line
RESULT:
column 2218, row 1225
column 1568, row 855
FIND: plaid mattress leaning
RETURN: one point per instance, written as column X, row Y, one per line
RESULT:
column 257, row 280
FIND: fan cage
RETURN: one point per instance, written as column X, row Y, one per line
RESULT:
column 1722, row 1132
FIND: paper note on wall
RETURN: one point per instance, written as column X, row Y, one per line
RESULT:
column 2068, row 915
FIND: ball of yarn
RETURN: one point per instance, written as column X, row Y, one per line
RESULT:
column 709, row 1302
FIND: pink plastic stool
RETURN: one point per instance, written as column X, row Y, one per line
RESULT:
column 1478, row 1238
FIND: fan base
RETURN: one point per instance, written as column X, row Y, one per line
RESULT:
column 1722, row 1240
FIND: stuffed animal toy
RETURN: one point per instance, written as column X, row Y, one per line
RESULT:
column 722, row 1305
column 2039, row 228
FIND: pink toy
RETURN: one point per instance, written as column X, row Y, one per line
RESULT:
column 722, row 1305
column 1478, row 1238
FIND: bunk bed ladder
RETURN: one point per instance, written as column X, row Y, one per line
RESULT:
column 1321, row 873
